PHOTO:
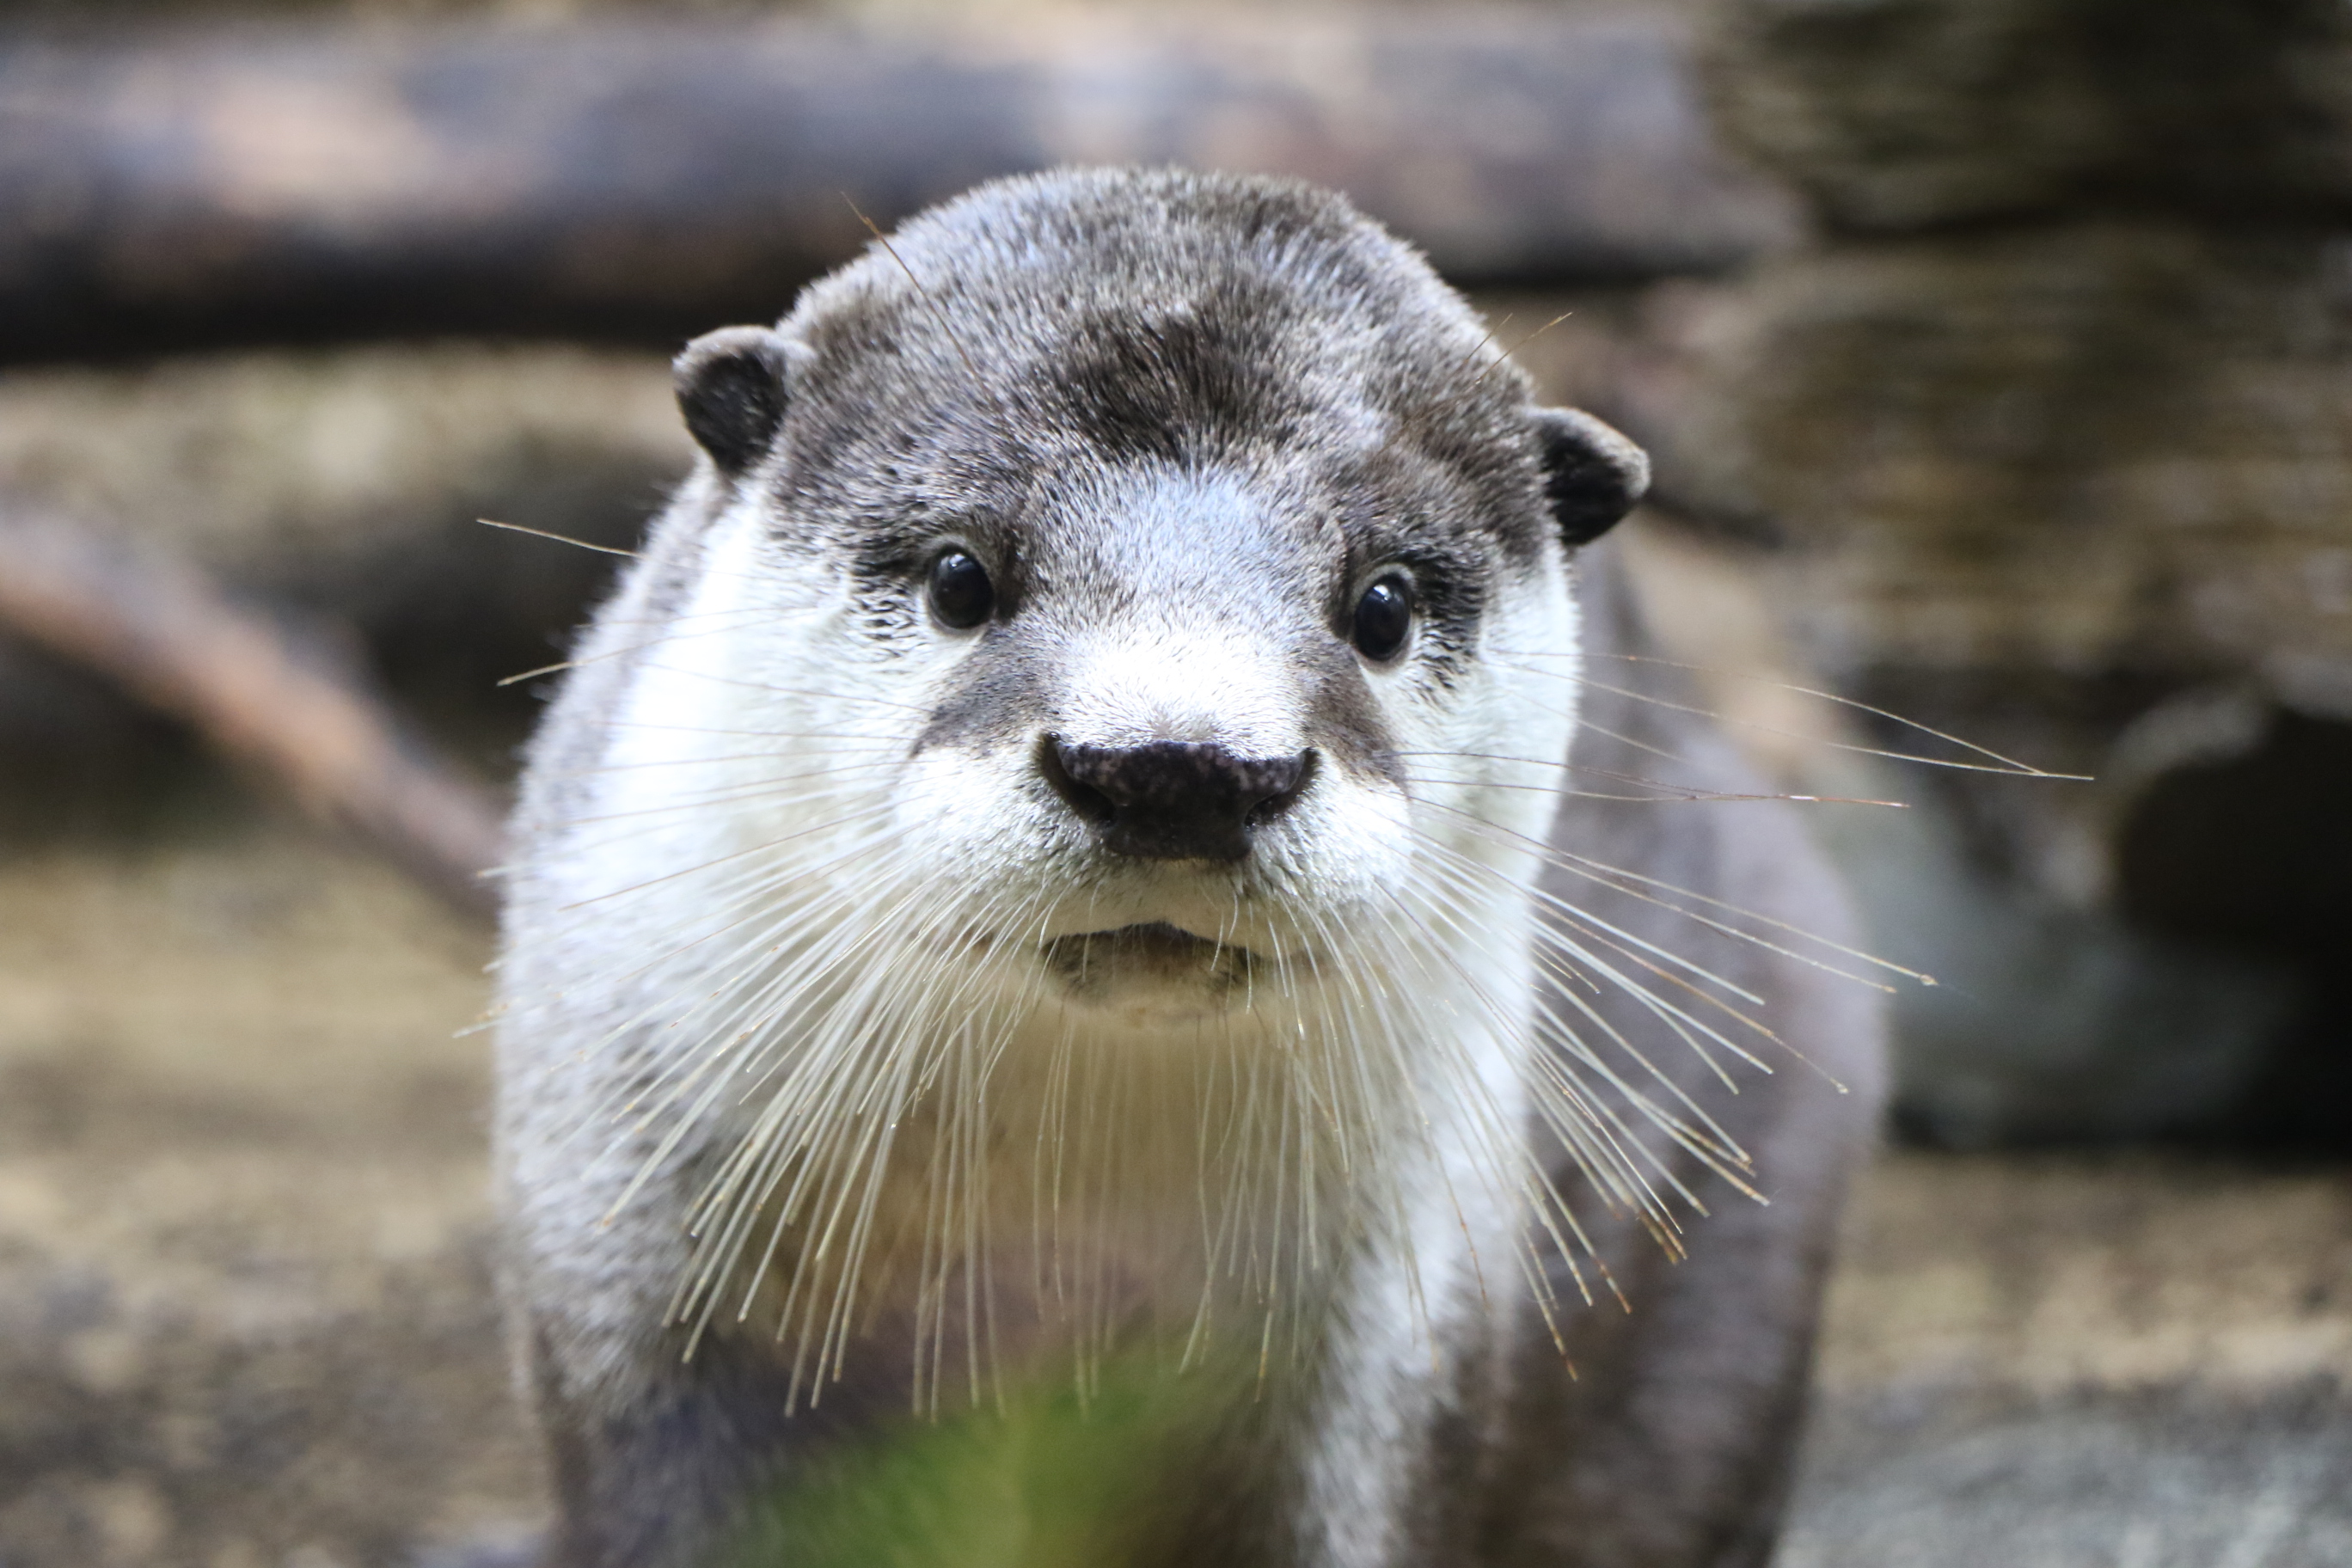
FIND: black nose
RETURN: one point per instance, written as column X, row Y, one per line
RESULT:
column 1174, row 800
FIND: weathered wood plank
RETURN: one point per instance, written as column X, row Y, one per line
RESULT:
column 623, row 181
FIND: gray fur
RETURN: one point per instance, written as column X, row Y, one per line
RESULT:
column 1201, row 404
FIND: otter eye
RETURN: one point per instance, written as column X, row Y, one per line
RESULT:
column 961, row 594
column 1384, row 618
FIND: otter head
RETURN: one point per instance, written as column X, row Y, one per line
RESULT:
column 1177, row 578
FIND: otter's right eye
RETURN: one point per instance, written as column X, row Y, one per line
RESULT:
column 1384, row 618
column 961, row 594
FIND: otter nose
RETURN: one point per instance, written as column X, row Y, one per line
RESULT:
column 1174, row 800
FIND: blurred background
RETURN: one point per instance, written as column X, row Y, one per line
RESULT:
column 1997, row 360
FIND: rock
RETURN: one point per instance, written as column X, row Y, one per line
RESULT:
column 2082, row 449
column 2053, row 437
column 2080, row 493
column 2050, row 1360
column 1908, row 114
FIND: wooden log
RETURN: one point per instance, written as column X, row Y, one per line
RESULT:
column 625, row 181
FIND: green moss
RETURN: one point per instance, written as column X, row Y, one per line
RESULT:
column 1054, row 1478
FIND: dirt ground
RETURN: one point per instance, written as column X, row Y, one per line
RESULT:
column 245, row 1317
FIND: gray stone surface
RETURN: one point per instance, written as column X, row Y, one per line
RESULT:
column 2073, row 1362
column 245, row 1318
column 2178, row 1483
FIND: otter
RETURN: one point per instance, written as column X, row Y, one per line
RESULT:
column 1094, row 971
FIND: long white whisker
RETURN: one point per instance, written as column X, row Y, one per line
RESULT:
column 2026, row 769
column 1598, row 872
column 2008, row 767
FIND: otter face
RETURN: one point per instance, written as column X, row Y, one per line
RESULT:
column 1190, row 737
column 1186, row 649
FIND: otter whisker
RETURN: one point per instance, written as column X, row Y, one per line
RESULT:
column 1632, row 949
column 758, row 879
column 1562, row 907
column 830, row 1073
column 2024, row 769
column 868, row 814
column 1550, row 944
column 1616, row 1171
column 889, row 747
column 1597, row 871
column 736, row 793
column 772, row 690
column 687, row 1116
column 1480, row 346
column 744, row 1008
column 2007, row 765
column 558, row 538
column 1473, row 1096
column 873, row 1156
column 1600, row 871
column 755, row 732
column 1678, row 1021
column 1666, row 790
column 1556, row 791
column 1523, row 343
column 735, row 619
column 1707, row 1140
column 691, row 1064
column 1709, row 1149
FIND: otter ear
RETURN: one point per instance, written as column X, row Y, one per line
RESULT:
column 730, row 387
column 1593, row 475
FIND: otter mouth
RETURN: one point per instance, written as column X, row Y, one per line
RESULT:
column 1093, row 963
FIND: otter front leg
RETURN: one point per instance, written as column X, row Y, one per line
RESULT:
column 658, row 1442
column 673, row 1473
column 658, row 1479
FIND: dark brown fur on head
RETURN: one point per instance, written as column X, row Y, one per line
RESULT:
column 1154, row 321
column 1161, row 316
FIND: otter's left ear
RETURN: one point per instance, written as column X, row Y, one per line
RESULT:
column 1593, row 475
column 730, row 387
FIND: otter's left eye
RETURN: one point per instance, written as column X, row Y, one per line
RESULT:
column 1384, row 619
column 961, row 594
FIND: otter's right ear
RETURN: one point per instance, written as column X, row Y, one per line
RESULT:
column 1591, row 475
column 730, row 387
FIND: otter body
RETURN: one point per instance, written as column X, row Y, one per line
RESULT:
column 1081, row 983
